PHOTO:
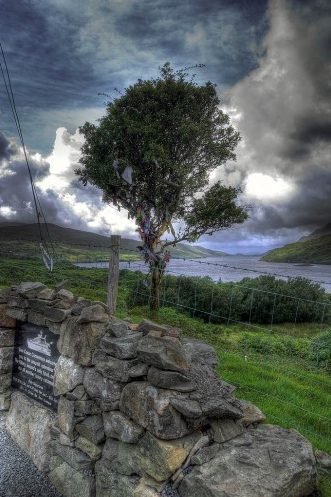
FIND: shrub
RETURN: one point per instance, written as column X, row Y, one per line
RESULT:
column 320, row 350
column 262, row 300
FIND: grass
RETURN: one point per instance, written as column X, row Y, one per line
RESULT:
column 277, row 376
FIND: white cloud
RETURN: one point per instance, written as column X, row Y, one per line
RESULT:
column 264, row 187
column 7, row 212
column 62, row 180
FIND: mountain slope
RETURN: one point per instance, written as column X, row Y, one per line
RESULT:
column 313, row 250
column 325, row 230
column 19, row 238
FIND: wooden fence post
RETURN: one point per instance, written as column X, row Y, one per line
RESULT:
column 115, row 244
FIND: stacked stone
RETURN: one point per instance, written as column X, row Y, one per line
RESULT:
column 7, row 336
column 143, row 413
column 132, row 405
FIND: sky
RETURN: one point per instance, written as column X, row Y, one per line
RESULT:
column 270, row 61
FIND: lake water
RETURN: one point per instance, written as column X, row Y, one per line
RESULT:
column 234, row 268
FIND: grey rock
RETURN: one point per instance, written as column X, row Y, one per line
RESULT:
column 46, row 294
column 268, row 461
column 110, row 367
column 120, row 458
column 200, row 352
column 151, row 408
column 138, row 370
column 163, row 353
column 92, row 429
column 65, row 294
column 17, row 301
column 93, row 451
column 7, row 337
column 94, row 313
column 119, row 426
column 146, row 488
column 205, row 454
column 105, row 390
column 118, row 327
column 72, row 483
column 56, row 315
column 223, row 430
column 6, row 359
column 78, row 393
column 67, row 375
column 188, row 408
column 251, row 413
column 5, row 400
column 146, row 326
column 30, row 289
column 38, row 305
column 5, row 382
column 213, row 395
column 103, row 305
column 121, row 348
column 55, row 431
column 29, row 424
column 5, row 320
column 16, row 313
column 110, row 484
column 55, row 462
column 74, row 457
column 65, row 440
column 161, row 458
column 66, row 416
column 323, row 459
column 79, row 341
column 53, row 327
column 86, row 407
column 63, row 303
column 79, row 306
column 36, row 318
column 172, row 380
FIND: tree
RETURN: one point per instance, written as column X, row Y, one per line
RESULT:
column 152, row 154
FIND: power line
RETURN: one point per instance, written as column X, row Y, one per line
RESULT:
column 10, row 94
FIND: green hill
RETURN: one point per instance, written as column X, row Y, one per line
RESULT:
column 313, row 249
column 21, row 240
column 325, row 230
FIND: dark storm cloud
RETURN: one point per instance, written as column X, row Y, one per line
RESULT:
column 16, row 193
column 7, row 149
column 61, row 54
column 285, row 117
column 272, row 60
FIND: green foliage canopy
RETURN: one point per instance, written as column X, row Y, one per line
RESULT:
column 173, row 134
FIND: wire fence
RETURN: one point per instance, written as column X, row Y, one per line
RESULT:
column 237, row 307
column 236, row 304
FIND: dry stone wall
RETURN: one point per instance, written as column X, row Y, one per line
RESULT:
column 141, row 411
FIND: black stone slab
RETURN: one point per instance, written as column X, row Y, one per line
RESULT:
column 35, row 357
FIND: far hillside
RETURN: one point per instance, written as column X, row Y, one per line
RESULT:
column 312, row 249
column 21, row 240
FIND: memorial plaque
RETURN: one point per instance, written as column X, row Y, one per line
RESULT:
column 35, row 357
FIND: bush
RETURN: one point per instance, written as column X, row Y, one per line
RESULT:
column 320, row 350
column 263, row 300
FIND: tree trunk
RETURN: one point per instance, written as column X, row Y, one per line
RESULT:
column 155, row 289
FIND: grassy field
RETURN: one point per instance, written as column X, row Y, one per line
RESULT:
column 271, row 369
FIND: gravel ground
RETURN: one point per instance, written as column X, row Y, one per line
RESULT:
column 19, row 477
